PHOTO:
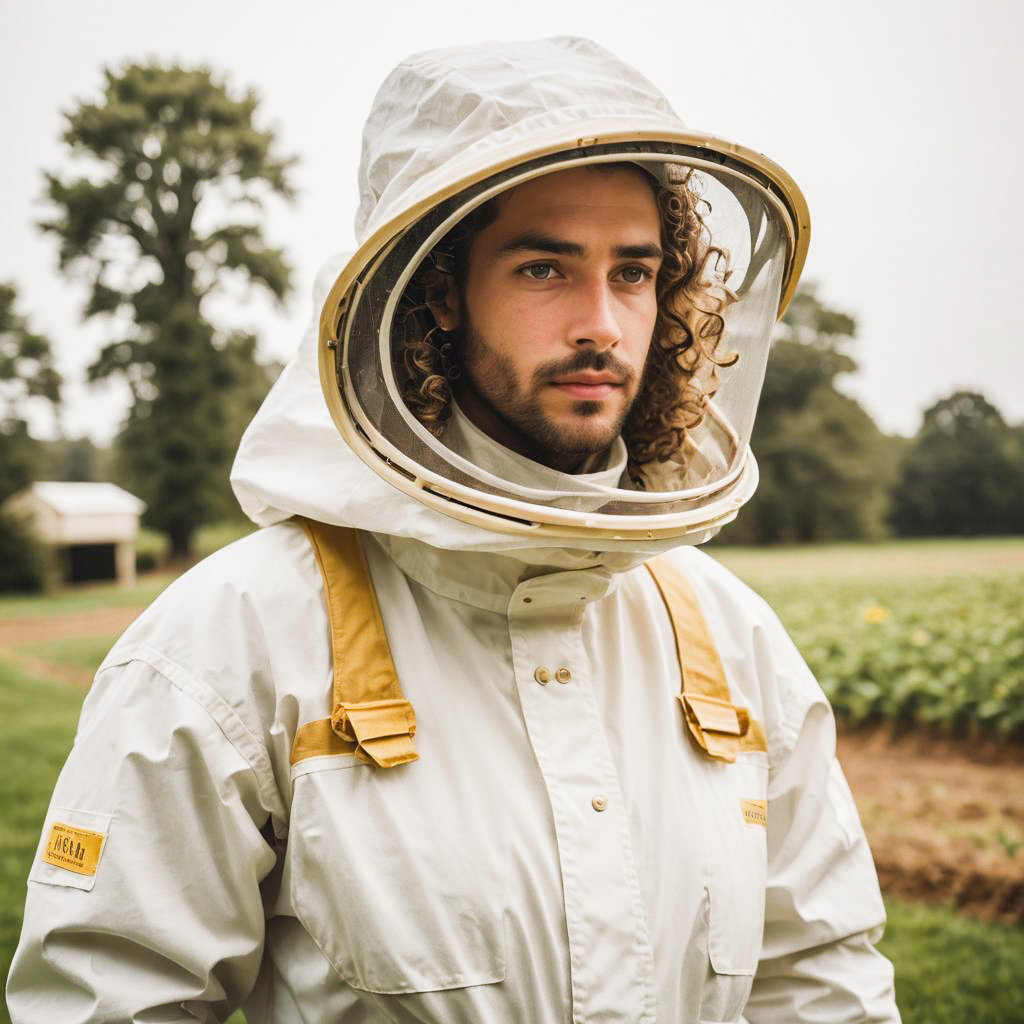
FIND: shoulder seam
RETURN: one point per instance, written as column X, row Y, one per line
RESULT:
column 224, row 717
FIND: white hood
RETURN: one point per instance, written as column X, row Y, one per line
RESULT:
column 441, row 114
column 440, row 119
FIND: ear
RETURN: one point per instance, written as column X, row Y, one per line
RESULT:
column 443, row 302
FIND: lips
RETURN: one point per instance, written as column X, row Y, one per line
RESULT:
column 588, row 385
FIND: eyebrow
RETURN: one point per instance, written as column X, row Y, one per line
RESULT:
column 535, row 241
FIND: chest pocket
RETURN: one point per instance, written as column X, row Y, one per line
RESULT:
column 402, row 893
column 733, row 825
column 736, row 844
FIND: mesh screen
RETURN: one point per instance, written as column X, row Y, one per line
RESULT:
column 742, row 219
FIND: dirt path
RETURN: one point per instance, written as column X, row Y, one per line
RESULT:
column 94, row 622
column 19, row 633
column 945, row 820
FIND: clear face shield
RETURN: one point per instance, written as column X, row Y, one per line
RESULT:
column 688, row 467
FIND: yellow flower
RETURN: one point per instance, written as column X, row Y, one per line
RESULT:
column 875, row 614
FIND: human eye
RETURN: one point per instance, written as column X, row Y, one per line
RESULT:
column 635, row 274
column 539, row 271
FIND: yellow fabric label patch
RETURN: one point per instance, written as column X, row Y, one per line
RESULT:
column 755, row 812
column 75, row 849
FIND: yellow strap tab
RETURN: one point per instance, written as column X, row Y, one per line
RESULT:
column 717, row 726
column 368, row 707
column 381, row 729
column 713, row 714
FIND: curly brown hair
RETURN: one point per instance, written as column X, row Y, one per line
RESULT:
column 680, row 375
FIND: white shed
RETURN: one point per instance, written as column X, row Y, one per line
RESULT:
column 92, row 527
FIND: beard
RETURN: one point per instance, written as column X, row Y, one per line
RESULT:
column 519, row 414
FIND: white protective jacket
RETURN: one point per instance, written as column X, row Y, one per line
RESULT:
column 559, row 852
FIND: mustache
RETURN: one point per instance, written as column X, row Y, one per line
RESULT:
column 584, row 359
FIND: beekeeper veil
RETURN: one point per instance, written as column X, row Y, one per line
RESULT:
column 451, row 130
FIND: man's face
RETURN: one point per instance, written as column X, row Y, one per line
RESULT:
column 557, row 313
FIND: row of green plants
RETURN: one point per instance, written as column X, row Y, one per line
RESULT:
column 944, row 653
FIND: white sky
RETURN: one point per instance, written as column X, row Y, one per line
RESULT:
column 900, row 120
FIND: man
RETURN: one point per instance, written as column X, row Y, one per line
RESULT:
column 471, row 760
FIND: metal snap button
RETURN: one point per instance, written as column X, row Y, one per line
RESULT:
column 599, row 803
column 563, row 675
column 542, row 675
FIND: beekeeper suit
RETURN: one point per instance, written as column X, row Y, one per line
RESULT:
column 526, row 819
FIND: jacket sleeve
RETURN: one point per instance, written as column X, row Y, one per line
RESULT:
column 823, row 908
column 162, row 918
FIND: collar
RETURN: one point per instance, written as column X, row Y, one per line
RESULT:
column 555, row 576
column 556, row 579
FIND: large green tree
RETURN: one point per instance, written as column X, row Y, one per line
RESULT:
column 825, row 466
column 963, row 474
column 26, row 372
column 165, row 209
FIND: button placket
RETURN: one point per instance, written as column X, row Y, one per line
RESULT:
column 563, row 724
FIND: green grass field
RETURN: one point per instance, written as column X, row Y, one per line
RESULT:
column 953, row 970
column 950, row 970
column 88, row 597
column 37, row 724
column 885, row 560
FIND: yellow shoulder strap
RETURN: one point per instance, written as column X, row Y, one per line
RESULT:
column 369, row 714
column 718, row 727
column 371, row 718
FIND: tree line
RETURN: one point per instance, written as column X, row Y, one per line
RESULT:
column 828, row 473
column 161, row 210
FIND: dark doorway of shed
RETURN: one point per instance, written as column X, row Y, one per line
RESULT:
column 91, row 562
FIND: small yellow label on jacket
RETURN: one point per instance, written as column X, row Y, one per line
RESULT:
column 755, row 812
column 75, row 849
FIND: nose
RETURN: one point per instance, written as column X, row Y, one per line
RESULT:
column 595, row 322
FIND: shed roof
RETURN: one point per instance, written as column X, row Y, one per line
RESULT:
column 87, row 499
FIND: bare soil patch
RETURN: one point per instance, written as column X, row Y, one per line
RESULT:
column 945, row 819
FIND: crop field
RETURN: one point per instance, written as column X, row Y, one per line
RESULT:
column 924, row 637
column 916, row 635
